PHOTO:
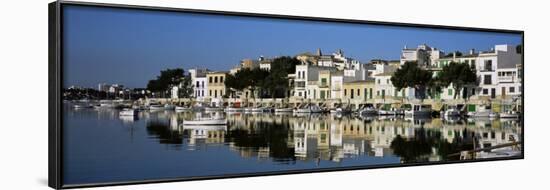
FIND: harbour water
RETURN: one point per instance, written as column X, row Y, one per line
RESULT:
column 102, row 146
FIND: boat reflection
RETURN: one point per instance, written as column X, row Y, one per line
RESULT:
column 286, row 138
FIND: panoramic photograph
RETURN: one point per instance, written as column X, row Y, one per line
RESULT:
column 151, row 94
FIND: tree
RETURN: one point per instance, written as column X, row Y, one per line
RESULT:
column 277, row 81
column 457, row 74
column 167, row 79
column 186, row 87
column 250, row 79
column 412, row 76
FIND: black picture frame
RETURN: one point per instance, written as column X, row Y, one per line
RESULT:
column 55, row 82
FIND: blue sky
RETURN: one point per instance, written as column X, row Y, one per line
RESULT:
column 130, row 47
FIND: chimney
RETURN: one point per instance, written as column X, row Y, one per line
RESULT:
column 472, row 51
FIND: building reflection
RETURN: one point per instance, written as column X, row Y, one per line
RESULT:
column 286, row 138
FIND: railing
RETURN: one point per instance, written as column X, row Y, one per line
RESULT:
column 506, row 78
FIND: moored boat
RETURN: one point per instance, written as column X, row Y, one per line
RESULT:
column 234, row 109
column 418, row 110
column 128, row 112
column 82, row 106
column 368, row 111
column 509, row 114
column 205, row 121
column 278, row 110
column 308, row 109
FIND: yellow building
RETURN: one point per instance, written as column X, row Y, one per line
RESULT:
column 324, row 84
column 359, row 91
column 216, row 86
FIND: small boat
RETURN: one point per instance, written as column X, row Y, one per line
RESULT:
column 308, row 109
column 169, row 107
column 391, row 111
column 494, row 115
column 340, row 110
column 128, row 112
column 279, row 110
column 234, row 109
column 368, row 111
column 213, row 109
column 451, row 112
column 258, row 109
column 509, row 114
column 156, row 107
column 82, row 106
column 205, row 121
column 418, row 110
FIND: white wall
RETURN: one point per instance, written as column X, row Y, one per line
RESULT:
column 24, row 49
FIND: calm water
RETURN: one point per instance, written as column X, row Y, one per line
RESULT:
column 101, row 146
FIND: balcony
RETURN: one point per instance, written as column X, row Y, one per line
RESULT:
column 506, row 79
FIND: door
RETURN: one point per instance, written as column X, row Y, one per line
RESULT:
column 503, row 91
column 493, row 93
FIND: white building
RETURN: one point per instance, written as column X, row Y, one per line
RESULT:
column 424, row 55
column 199, row 83
column 497, row 71
column 306, row 80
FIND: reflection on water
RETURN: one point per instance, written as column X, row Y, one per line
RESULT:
column 263, row 142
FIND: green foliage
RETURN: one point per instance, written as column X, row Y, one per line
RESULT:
column 412, row 76
column 457, row 74
column 246, row 79
column 272, row 81
column 166, row 79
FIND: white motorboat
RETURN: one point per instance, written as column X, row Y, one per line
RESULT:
column 279, row 110
column 128, row 112
column 509, row 114
column 205, row 121
column 418, row 110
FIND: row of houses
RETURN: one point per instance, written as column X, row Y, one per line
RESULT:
column 337, row 77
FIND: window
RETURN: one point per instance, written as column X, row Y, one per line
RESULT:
column 485, row 91
column 351, row 92
column 378, row 81
column 487, row 79
column 202, row 83
column 215, row 79
column 345, row 92
column 387, row 81
column 512, row 89
column 210, row 93
column 467, row 61
column 209, row 79
column 197, row 84
column 473, row 91
column 358, row 92
column 450, row 92
column 377, row 93
column 221, row 79
column 488, row 65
